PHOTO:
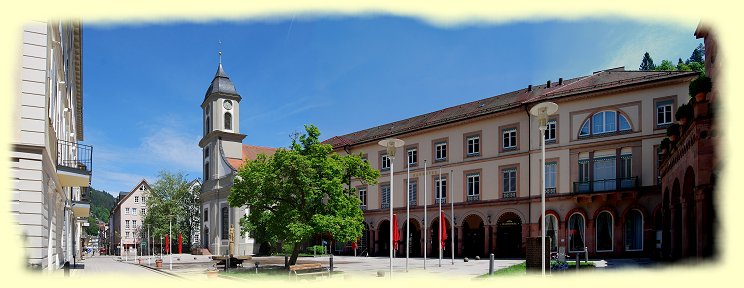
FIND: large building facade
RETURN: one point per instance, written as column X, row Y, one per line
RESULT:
column 601, row 171
column 50, row 169
column 223, row 154
column 126, row 220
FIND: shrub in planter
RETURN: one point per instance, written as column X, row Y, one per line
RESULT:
column 700, row 86
column 673, row 131
column 684, row 114
column 665, row 145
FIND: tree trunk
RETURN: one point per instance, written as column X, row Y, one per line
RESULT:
column 295, row 253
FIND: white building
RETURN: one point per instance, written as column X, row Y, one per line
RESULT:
column 223, row 154
column 127, row 218
column 51, row 170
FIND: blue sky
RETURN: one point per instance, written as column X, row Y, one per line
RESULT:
column 143, row 83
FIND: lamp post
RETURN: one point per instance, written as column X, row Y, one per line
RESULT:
column 542, row 111
column 391, row 144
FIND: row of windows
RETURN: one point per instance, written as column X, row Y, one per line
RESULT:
column 604, row 177
column 472, row 146
column 604, row 235
column 137, row 199
column 133, row 211
column 126, row 224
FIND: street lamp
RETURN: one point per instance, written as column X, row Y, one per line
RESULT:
column 391, row 144
column 542, row 111
column 170, row 240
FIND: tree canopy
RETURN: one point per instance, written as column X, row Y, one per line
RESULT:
column 299, row 192
column 647, row 63
column 170, row 201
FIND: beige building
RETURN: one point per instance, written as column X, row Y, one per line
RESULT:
column 50, row 169
column 601, row 168
column 127, row 218
column 223, row 154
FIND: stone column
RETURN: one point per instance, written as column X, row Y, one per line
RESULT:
column 685, row 229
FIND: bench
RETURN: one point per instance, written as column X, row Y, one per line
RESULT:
column 235, row 261
column 308, row 269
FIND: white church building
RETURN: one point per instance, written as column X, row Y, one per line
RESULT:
column 223, row 154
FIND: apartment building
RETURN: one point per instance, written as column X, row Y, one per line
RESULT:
column 601, row 169
column 50, row 169
column 127, row 218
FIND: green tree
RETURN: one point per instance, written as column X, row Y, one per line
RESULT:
column 698, row 54
column 166, row 205
column 647, row 63
column 666, row 65
column 697, row 67
column 92, row 228
column 682, row 66
column 299, row 192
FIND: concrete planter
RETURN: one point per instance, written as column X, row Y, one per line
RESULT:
column 212, row 273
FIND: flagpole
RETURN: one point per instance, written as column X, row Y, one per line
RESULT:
column 452, row 205
column 425, row 204
column 408, row 211
column 439, row 199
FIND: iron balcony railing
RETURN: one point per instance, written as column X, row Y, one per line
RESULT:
column 606, row 185
column 439, row 200
column 75, row 156
column 510, row 195
column 473, row 198
column 84, row 195
column 363, row 207
column 549, row 191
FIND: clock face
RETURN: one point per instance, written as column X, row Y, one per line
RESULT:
column 227, row 104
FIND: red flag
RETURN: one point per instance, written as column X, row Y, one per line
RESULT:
column 396, row 233
column 442, row 229
column 180, row 241
column 166, row 244
column 353, row 245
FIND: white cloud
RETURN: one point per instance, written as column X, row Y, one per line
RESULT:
column 172, row 149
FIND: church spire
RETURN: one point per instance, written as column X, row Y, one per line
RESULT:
column 220, row 52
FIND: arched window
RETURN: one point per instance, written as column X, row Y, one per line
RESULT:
column 634, row 231
column 604, row 122
column 604, row 231
column 228, row 121
column 576, row 233
column 551, row 230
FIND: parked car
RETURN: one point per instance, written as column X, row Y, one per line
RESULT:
column 102, row 251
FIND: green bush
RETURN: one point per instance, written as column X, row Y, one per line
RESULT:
column 700, row 84
column 317, row 249
column 684, row 111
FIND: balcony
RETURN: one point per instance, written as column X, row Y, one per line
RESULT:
column 550, row 191
column 80, row 198
column 472, row 198
column 510, row 195
column 606, row 185
column 74, row 163
column 439, row 201
column 363, row 207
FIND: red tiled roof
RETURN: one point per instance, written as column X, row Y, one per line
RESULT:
column 250, row 152
column 602, row 80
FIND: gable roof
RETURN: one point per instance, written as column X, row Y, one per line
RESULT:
column 598, row 81
column 125, row 195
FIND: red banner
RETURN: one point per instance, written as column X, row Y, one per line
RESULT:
column 442, row 229
column 167, row 241
column 396, row 233
column 180, row 242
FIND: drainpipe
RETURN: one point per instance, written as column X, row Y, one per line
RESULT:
column 529, row 169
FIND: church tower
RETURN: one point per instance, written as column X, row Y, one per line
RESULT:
column 221, row 124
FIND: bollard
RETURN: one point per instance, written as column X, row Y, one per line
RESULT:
column 66, row 267
column 586, row 254
column 490, row 265
column 256, row 267
column 577, row 262
column 331, row 260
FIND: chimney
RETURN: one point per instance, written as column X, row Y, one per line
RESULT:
column 529, row 88
column 548, row 84
column 560, row 81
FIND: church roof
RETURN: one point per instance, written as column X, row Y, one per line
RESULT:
column 250, row 152
column 221, row 84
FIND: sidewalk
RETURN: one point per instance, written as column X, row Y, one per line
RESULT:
column 106, row 266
